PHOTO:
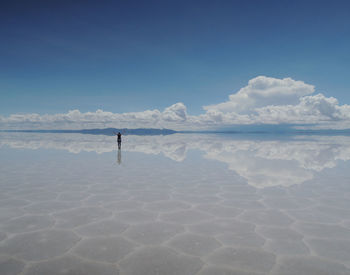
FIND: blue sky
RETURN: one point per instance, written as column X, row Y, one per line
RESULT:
column 131, row 56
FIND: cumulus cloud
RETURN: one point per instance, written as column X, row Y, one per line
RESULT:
column 264, row 91
column 176, row 112
column 265, row 100
column 311, row 109
column 75, row 119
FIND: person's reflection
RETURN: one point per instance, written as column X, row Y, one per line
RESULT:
column 119, row 156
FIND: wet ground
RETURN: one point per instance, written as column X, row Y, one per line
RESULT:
column 177, row 204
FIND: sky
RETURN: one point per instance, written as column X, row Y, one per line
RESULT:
column 175, row 64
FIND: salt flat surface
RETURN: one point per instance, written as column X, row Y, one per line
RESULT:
column 178, row 204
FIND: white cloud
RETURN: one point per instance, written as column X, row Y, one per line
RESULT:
column 264, row 91
column 176, row 112
column 311, row 109
column 265, row 100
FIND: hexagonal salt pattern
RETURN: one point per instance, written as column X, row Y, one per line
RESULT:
column 243, row 258
column 2, row 236
column 39, row 245
column 27, row 224
column 102, row 228
column 309, row 266
column 159, row 260
column 10, row 266
column 196, row 245
column 81, row 214
column 153, row 233
column 104, row 249
column 71, row 265
column 220, row 270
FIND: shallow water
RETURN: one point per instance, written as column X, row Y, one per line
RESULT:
column 178, row 204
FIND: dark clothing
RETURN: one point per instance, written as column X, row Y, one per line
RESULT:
column 119, row 139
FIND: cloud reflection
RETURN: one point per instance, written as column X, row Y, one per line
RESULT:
column 262, row 163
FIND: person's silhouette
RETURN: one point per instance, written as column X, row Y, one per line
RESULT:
column 119, row 139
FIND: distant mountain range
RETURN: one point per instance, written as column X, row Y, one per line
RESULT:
column 106, row 131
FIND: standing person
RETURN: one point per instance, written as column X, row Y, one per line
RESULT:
column 119, row 139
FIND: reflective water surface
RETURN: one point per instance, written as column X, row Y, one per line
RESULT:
column 177, row 204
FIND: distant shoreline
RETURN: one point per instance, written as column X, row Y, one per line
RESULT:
column 105, row 131
column 153, row 131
